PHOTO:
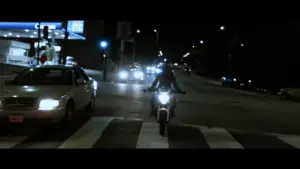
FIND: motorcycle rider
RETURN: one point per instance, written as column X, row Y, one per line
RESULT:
column 165, row 79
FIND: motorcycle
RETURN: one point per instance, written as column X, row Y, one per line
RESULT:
column 164, row 102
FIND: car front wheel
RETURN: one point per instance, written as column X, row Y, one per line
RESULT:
column 68, row 118
column 92, row 104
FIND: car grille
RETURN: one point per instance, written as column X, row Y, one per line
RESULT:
column 20, row 103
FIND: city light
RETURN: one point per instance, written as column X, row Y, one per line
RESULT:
column 103, row 44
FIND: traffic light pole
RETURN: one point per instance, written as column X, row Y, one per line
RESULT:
column 105, row 59
column 64, row 54
column 38, row 46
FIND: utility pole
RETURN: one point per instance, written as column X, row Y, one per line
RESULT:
column 133, row 49
column 105, row 46
column 122, row 48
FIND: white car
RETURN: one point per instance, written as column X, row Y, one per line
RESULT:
column 51, row 94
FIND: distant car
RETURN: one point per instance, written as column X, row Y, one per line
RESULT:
column 187, row 70
column 289, row 94
column 131, row 74
column 226, row 80
column 47, row 94
column 236, row 82
column 71, row 61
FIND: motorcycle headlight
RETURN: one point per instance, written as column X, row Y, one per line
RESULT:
column 123, row 75
column 48, row 104
column 164, row 98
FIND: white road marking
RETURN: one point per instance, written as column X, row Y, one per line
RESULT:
column 292, row 140
column 150, row 138
column 11, row 141
column 219, row 138
column 89, row 134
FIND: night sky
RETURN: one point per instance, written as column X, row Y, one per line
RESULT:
column 270, row 48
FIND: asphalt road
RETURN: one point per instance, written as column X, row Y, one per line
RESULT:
column 208, row 116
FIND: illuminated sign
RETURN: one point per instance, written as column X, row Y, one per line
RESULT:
column 76, row 26
column 30, row 25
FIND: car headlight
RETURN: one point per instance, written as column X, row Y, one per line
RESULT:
column 123, row 75
column 48, row 104
column 148, row 68
column 164, row 98
column 138, row 75
column 234, row 79
column 158, row 71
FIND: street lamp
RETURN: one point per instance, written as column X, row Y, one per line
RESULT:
column 193, row 46
column 138, row 31
column 103, row 44
column 201, row 41
column 157, row 46
column 222, row 28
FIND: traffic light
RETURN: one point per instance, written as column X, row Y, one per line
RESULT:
column 45, row 32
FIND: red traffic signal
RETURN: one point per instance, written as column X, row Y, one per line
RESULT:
column 43, row 58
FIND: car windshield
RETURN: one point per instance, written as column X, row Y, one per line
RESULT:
column 43, row 76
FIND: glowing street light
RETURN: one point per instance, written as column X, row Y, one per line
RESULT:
column 103, row 44
column 193, row 46
column 155, row 30
column 138, row 31
column 201, row 41
column 222, row 28
column 186, row 55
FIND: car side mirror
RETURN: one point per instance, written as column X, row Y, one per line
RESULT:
column 80, row 82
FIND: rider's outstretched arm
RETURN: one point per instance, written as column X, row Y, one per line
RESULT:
column 154, row 83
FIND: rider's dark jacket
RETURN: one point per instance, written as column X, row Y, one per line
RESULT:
column 166, row 79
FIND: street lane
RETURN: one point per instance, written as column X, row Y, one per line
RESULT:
column 207, row 117
column 224, row 108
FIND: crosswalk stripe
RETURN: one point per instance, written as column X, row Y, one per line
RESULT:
column 150, row 138
column 117, row 132
column 7, row 142
column 88, row 135
column 292, row 140
column 219, row 138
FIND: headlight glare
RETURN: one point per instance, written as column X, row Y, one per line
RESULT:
column 164, row 98
column 48, row 104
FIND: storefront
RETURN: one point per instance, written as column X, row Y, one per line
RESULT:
column 18, row 52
